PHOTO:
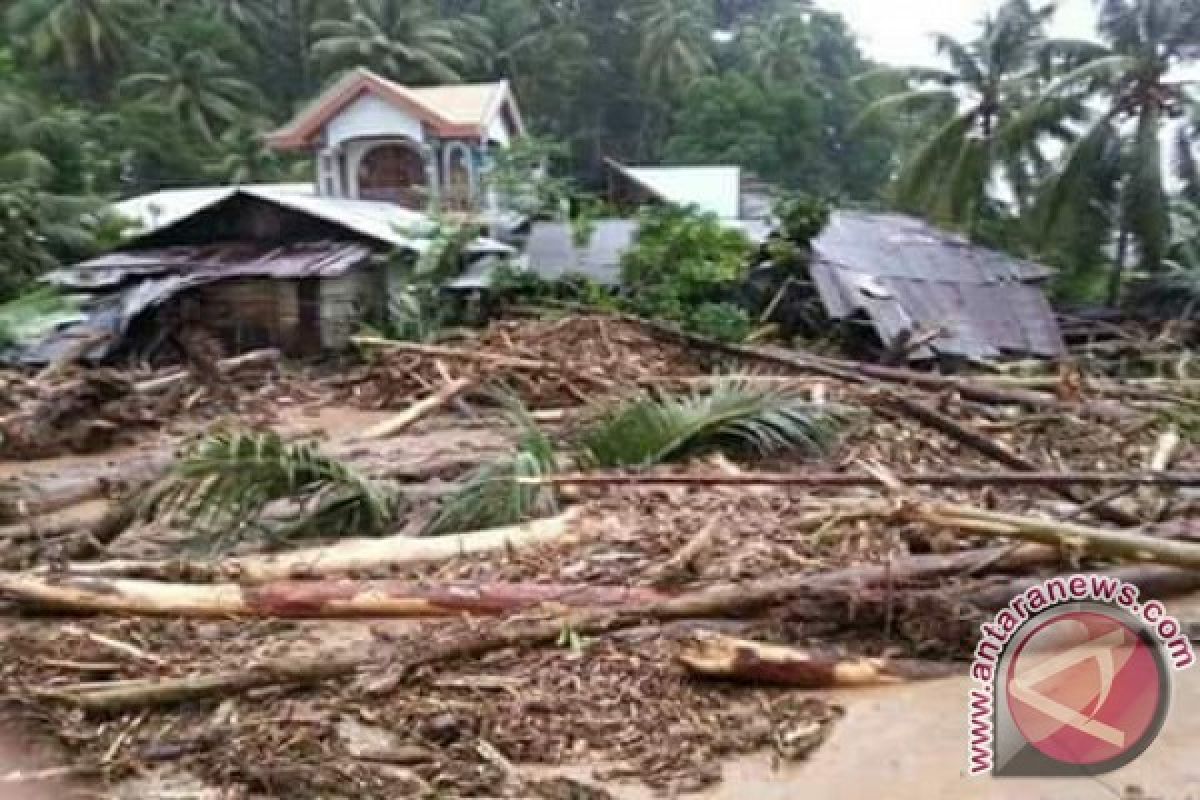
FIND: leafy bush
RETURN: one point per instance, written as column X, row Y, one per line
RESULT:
column 528, row 286
column 681, row 267
column 723, row 321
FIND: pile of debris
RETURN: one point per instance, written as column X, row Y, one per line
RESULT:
column 550, row 364
column 81, row 411
column 669, row 618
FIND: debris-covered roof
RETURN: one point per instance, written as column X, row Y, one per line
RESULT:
column 713, row 189
column 140, row 280
column 386, row 223
column 325, row 259
column 910, row 277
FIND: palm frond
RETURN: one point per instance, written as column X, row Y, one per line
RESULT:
column 500, row 493
column 226, row 482
column 733, row 417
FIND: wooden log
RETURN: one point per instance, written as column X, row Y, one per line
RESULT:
column 842, row 480
column 120, row 696
column 725, row 600
column 349, row 555
column 345, row 599
column 713, row 655
column 418, row 411
column 862, row 373
column 1154, row 582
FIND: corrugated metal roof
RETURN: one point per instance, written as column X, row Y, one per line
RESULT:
column 715, row 190
column 907, row 276
column 385, row 223
column 223, row 260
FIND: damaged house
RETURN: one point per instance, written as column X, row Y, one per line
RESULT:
column 923, row 292
column 296, row 266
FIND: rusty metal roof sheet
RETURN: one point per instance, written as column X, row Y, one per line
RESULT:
column 908, row 276
column 325, row 259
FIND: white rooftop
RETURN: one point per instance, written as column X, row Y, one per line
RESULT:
column 716, row 190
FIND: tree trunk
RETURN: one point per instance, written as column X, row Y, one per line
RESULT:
column 346, row 556
column 307, row 599
column 1118, row 269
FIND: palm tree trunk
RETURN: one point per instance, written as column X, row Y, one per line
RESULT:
column 1118, row 269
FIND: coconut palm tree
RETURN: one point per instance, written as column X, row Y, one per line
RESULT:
column 1132, row 78
column 195, row 87
column 976, row 135
column 88, row 36
column 778, row 45
column 676, row 43
column 400, row 39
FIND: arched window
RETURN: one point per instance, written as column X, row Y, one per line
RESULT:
column 393, row 173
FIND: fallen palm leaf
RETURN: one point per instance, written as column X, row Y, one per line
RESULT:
column 657, row 427
column 227, row 481
column 505, row 492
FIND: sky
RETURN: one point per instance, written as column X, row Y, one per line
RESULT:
column 898, row 31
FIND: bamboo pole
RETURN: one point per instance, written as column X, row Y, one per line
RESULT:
column 963, row 480
column 1095, row 541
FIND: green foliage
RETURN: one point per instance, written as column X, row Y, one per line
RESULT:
column 228, row 480
column 417, row 310
column 732, row 417
column 525, row 176
column 493, row 496
column 971, row 115
column 405, row 41
column 723, row 321
column 647, row 430
column 681, row 260
column 802, row 218
column 527, row 286
column 32, row 315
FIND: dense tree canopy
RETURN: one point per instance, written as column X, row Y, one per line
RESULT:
column 1077, row 152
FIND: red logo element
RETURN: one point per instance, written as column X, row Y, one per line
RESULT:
column 1084, row 688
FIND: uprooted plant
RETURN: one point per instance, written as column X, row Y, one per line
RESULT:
column 647, row 430
column 240, row 483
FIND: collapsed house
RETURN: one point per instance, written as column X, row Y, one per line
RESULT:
column 924, row 292
column 274, row 266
